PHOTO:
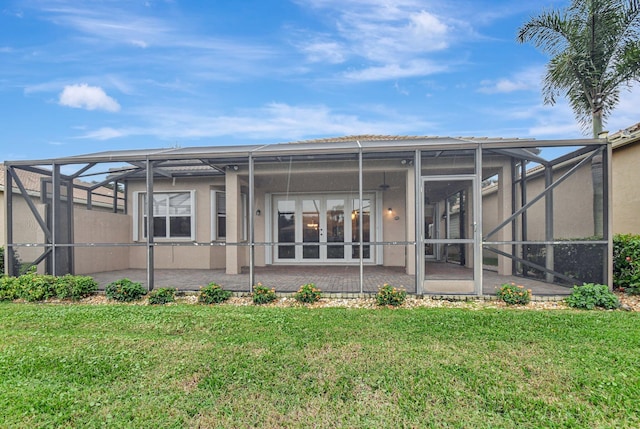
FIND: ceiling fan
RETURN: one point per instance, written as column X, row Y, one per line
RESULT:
column 384, row 186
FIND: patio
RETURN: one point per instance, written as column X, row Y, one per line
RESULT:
column 330, row 279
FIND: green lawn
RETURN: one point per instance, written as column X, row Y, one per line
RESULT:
column 224, row 366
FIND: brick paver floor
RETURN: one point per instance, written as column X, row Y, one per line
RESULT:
column 338, row 279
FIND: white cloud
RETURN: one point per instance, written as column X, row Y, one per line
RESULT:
column 140, row 43
column 320, row 51
column 83, row 96
column 106, row 133
column 275, row 121
column 626, row 112
column 525, row 80
column 396, row 39
column 395, row 71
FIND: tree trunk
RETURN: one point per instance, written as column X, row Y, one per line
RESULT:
column 597, row 181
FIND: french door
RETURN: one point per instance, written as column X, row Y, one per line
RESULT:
column 322, row 228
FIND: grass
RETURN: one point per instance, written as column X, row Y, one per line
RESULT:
column 224, row 366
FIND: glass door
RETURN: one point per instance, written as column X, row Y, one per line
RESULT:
column 318, row 229
column 286, row 229
column 335, row 228
column 365, row 213
column 311, row 229
column 450, row 239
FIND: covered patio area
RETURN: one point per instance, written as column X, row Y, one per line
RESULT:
column 330, row 279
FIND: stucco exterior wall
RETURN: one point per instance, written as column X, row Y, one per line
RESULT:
column 176, row 257
column 270, row 181
column 626, row 192
column 26, row 229
column 101, row 227
column 572, row 206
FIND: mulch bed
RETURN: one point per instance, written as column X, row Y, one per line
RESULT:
column 629, row 302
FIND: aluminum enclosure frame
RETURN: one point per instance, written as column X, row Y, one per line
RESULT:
column 212, row 160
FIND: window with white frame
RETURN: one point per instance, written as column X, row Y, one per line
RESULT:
column 219, row 216
column 173, row 214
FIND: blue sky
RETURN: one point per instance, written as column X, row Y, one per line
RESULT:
column 86, row 76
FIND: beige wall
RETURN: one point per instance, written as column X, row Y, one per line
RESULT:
column 625, row 189
column 26, row 229
column 187, row 256
column 271, row 180
column 92, row 226
column 572, row 204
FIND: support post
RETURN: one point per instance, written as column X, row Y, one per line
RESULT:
column 9, row 250
column 234, row 221
column 418, row 236
column 360, row 220
column 548, row 222
column 477, row 224
column 55, row 216
column 607, row 218
column 251, row 225
column 150, row 243
column 524, row 235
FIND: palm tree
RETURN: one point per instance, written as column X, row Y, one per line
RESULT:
column 595, row 52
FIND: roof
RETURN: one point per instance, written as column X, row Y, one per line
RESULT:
column 32, row 184
column 375, row 137
column 626, row 136
column 332, row 145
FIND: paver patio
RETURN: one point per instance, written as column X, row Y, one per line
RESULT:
column 334, row 279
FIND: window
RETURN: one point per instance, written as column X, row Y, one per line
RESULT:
column 219, row 216
column 173, row 214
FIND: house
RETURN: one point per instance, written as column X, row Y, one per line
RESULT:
column 625, row 178
column 347, row 212
column 35, row 190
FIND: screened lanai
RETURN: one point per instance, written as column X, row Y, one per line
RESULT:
column 436, row 215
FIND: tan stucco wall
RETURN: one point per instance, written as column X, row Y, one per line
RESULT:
column 299, row 181
column 572, row 207
column 626, row 193
column 26, row 229
column 175, row 257
column 92, row 226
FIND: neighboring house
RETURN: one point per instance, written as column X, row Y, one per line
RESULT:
column 37, row 186
column 413, row 205
column 625, row 179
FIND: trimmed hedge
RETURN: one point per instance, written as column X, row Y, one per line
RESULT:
column 33, row 287
column 626, row 263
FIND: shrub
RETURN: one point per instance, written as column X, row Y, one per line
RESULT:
column 124, row 290
column 513, row 294
column 34, row 287
column 626, row 263
column 8, row 288
column 75, row 287
column 163, row 295
column 16, row 262
column 308, row 294
column 390, row 296
column 589, row 296
column 262, row 294
column 213, row 294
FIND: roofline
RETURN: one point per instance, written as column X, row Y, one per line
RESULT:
column 302, row 148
